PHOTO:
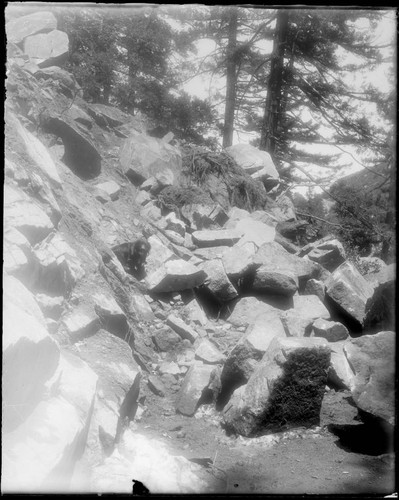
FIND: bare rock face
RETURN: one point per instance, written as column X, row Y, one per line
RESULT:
column 350, row 292
column 47, row 49
column 298, row 320
column 111, row 188
column 142, row 157
column 42, row 452
column 166, row 339
column 254, row 231
column 158, row 255
column 381, row 306
column 107, row 116
column 217, row 281
column 340, row 374
column 215, row 238
column 372, row 358
column 17, row 254
column 21, row 27
column 174, row 276
column 268, row 279
column 198, row 379
column 208, row 353
column 118, row 383
column 315, row 287
column 285, row 390
column 30, row 354
column 237, row 260
column 181, row 328
column 21, row 213
column 330, row 330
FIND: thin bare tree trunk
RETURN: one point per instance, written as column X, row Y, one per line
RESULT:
column 231, row 79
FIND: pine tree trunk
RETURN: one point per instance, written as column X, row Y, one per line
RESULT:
column 231, row 80
column 272, row 115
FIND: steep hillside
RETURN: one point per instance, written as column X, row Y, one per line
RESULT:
column 239, row 346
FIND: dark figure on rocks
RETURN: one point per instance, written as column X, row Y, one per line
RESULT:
column 132, row 256
column 139, row 488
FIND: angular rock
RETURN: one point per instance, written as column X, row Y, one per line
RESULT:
column 113, row 319
column 47, row 49
column 40, row 455
column 255, row 162
column 198, row 378
column 340, row 374
column 21, row 27
column 181, row 328
column 142, row 157
column 141, row 307
column 254, row 231
column 58, row 268
column 298, row 320
column 156, row 386
column 211, row 253
column 208, row 353
column 285, row 390
column 158, row 255
column 245, row 310
column 174, row 237
column 166, row 339
column 51, row 307
column 330, row 330
column 143, row 198
column 174, row 276
column 151, row 211
column 286, row 244
column 244, row 357
column 315, row 287
column 372, row 358
column 215, row 238
column 39, row 154
column 17, row 252
column 381, row 306
column 30, row 354
column 293, row 230
column 349, row 291
column 21, row 213
column 169, row 368
column 217, row 281
column 111, row 188
column 193, row 312
column 269, row 279
column 237, row 260
column 329, row 254
column 81, row 323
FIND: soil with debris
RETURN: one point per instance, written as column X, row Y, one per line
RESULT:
column 341, row 456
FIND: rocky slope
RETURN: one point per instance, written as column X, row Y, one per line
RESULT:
column 233, row 323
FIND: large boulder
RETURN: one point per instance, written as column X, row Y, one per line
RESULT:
column 257, row 163
column 254, row 231
column 237, row 260
column 21, row 27
column 142, row 157
column 349, row 292
column 47, row 49
column 40, row 455
column 208, row 353
column 330, row 330
column 285, row 390
column 244, row 311
column 174, row 276
column 330, row 254
column 198, row 379
column 381, row 306
column 372, row 358
column 217, row 281
column 306, row 309
column 269, row 279
column 158, row 255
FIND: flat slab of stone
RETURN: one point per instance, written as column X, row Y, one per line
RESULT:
column 21, row 27
column 106, row 116
column 237, row 260
column 208, row 353
column 181, row 328
column 285, row 390
column 209, row 253
column 254, row 231
column 372, row 358
column 275, row 281
column 246, row 309
column 111, row 188
column 215, row 238
column 174, row 276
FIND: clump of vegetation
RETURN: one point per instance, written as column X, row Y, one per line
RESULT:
column 176, row 197
column 296, row 397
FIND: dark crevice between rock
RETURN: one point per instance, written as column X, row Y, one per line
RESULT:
column 211, row 306
column 339, row 314
column 128, row 408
